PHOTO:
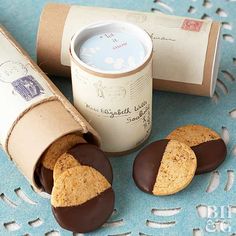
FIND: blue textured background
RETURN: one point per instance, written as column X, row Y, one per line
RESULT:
column 134, row 207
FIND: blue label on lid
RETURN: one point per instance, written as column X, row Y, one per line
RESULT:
column 113, row 51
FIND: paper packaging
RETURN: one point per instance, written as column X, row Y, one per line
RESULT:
column 186, row 51
column 33, row 111
column 111, row 64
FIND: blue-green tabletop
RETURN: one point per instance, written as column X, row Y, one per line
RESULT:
column 24, row 212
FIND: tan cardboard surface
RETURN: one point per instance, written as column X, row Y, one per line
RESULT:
column 52, row 23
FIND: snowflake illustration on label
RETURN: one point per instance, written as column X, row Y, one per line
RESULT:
column 25, row 85
column 86, row 54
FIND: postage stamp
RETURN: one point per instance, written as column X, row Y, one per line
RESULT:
column 192, row 25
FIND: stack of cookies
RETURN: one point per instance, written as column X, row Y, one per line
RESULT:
column 167, row 166
column 79, row 177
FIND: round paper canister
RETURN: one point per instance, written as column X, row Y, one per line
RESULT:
column 111, row 66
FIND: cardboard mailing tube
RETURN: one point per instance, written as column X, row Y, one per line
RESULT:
column 186, row 51
column 36, row 113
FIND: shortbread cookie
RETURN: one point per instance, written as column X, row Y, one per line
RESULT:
column 51, row 155
column 82, row 199
column 208, row 146
column 90, row 155
column 84, row 154
column 164, row 167
column 64, row 162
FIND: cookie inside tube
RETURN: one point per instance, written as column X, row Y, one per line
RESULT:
column 164, row 167
column 63, row 163
column 87, row 155
column 49, row 158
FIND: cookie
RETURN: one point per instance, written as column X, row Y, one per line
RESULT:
column 64, row 162
column 90, row 155
column 82, row 199
column 84, row 154
column 164, row 167
column 208, row 146
column 49, row 158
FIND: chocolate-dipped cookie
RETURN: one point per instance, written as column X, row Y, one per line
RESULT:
column 84, row 154
column 164, row 167
column 63, row 163
column 208, row 146
column 90, row 155
column 49, row 158
column 82, row 199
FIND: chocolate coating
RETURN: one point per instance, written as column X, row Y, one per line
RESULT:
column 147, row 164
column 209, row 155
column 91, row 155
column 85, row 154
column 45, row 176
column 87, row 216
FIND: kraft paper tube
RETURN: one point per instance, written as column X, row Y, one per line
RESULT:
column 186, row 51
column 34, row 113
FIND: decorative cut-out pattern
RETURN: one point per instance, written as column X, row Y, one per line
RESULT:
column 7, row 201
column 52, row 233
column 206, row 17
column 11, row 226
column 23, row 196
column 214, row 182
column 197, row 232
column 166, row 212
column 165, row 6
column 228, row 75
column 225, row 134
column 227, row 25
column 230, row 180
column 228, row 38
column 221, row 12
column 35, row 223
column 26, row 212
column 207, row 4
column 154, row 224
column 192, row 10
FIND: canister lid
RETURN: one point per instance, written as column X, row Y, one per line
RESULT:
column 111, row 47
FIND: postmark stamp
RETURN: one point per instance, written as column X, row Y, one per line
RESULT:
column 16, row 75
column 192, row 25
column 28, row 87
